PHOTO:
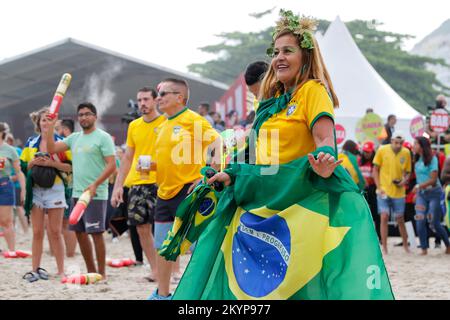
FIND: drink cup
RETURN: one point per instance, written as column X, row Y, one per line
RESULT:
column 144, row 162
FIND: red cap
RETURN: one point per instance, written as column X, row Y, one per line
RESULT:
column 368, row 146
column 408, row 145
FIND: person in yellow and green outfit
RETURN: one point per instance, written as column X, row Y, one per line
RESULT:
column 350, row 163
column 291, row 224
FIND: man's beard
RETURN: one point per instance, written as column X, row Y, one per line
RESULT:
column 87, row 126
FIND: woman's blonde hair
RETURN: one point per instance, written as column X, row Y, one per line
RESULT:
column 315, row 70
column 36, row 118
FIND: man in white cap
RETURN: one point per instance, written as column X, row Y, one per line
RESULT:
column 392, row 168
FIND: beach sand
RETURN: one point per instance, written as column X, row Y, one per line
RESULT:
column 412, row 276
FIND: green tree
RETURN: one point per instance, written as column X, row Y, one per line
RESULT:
column 405, row 73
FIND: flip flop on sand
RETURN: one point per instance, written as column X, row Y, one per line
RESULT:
column 31, row 276
column 150, row 279
column 43, row 274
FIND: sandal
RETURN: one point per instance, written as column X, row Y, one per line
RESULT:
column 31, row 276
column 150, row 279
column 43, row 274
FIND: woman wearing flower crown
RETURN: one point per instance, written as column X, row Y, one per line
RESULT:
column 296, row 114
column 295, row 225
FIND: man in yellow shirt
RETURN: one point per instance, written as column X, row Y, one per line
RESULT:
column 141, row 139
column 392, row 167
column 181, row 147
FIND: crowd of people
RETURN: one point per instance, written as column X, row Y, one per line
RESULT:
column 403, row 180
column 139, row 187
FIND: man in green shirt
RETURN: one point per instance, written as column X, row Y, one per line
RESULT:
column 93, row 161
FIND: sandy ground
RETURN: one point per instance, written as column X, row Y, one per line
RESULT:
column 412, row 276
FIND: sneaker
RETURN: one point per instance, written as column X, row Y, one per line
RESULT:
column 156, row 296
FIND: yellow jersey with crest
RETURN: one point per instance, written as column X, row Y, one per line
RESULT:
column 392, row 167
column 181, row 146
column 141, row 136
column 287, row 135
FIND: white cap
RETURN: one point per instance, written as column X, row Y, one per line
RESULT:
column 398, row 134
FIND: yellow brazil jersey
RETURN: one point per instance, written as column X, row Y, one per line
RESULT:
column 181, row 148
column 288, row 135
column 392, row 166
column 349, row 167
column 141, row 137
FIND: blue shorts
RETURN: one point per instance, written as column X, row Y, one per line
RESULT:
column 7, row 194
column 394, row 205
column 161, row 230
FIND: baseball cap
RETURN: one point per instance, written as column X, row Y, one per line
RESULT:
column 398, row 135
column 407, row 145
column 368, row 146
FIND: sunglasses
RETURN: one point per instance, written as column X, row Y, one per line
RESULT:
column 163, row 93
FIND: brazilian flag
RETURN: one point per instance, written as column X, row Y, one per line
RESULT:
column 193, row 215
column 288, row 235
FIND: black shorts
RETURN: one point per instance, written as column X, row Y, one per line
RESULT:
column 141, row 204
column 94, row 218
column 166, row 209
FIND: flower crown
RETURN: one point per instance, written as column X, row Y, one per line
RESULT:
column 299, row 26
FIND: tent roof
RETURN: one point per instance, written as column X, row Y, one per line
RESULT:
column 357, row 84
column 28, row 81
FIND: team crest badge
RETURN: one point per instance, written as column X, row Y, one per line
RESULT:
column 291, row 110
column 176, row 129
column 402, row 160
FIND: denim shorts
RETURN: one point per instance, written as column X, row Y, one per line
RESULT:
column 7, row 194
column 394, row 205
column 49, row 198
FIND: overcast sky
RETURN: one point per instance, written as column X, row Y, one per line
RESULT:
column 170, row 32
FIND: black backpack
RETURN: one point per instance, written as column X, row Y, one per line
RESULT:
column 44, row 177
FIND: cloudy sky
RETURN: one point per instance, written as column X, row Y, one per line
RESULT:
column 170, row 32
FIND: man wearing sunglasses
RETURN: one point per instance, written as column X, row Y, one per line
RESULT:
column 181, row 146
column 93, row 161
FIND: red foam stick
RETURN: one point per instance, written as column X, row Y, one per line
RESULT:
column 80, row 207
column 59, row 94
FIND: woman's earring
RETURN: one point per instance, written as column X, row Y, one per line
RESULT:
column 305, row 66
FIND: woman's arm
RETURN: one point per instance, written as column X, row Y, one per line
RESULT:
column 323, row 135
column 431, row 182
column 47, row 162
column 21, row 178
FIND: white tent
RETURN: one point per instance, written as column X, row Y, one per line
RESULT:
column 357, row 84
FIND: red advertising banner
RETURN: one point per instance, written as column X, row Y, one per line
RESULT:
column 340, row 133
column 439, row 120
column 417, row 127
column 236, row 98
